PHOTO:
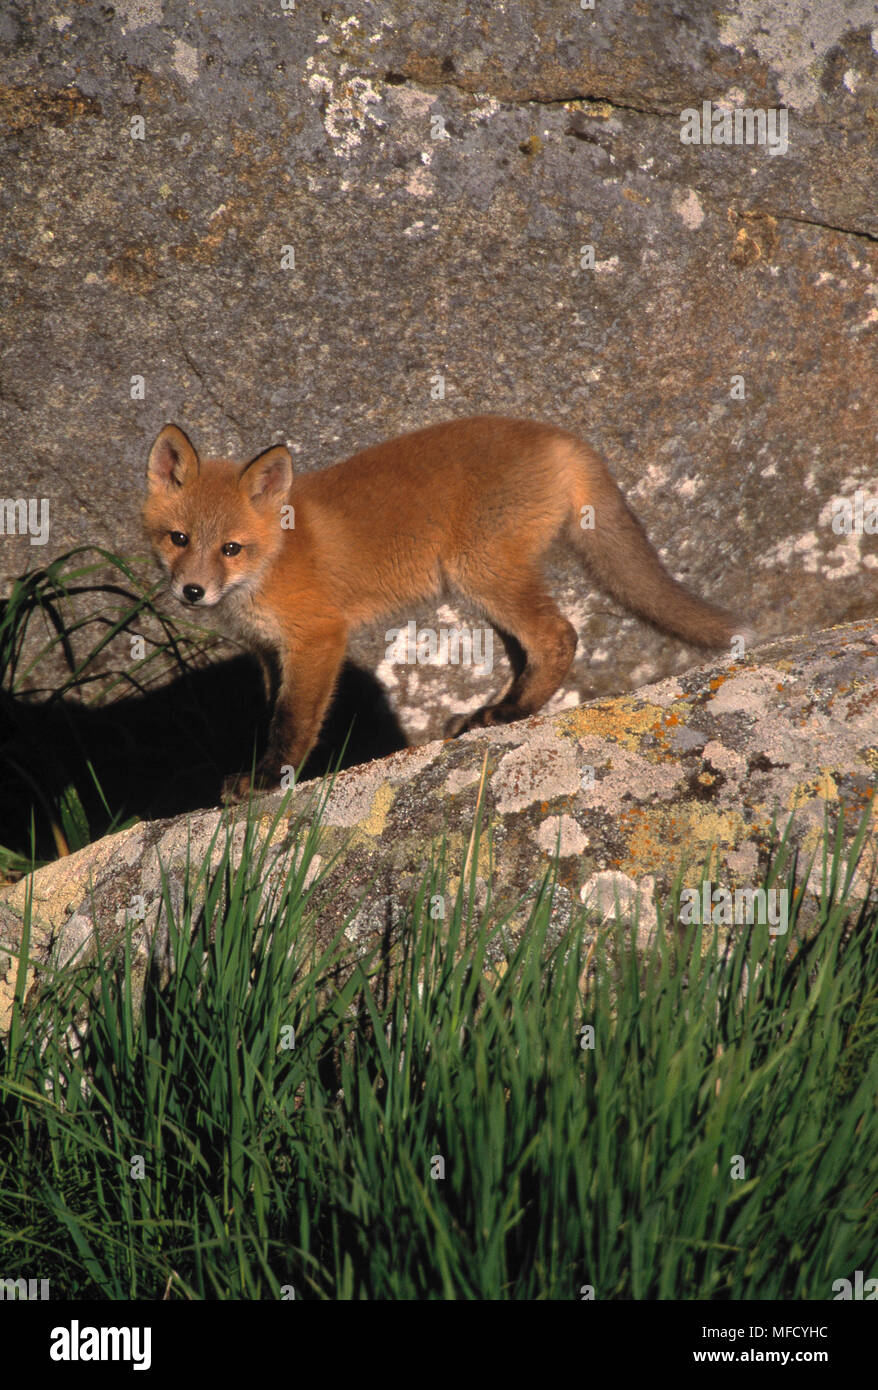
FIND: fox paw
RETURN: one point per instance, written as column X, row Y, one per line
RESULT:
column 242, row 785
column 236, row 788
column 480, row 719
column 456, row 725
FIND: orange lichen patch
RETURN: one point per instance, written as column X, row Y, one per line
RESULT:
column 670, row 719
column 856, row 803
column 625, row 720
column 38, row 107
column 716, row 681
column 861, row 702
column 823, row 786
column 659, row 839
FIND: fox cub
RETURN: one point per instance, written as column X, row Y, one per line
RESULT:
column 291, row 565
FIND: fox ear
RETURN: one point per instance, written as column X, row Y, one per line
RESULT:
column 172, row 460
column 267, row 478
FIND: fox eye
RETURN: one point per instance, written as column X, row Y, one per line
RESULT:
column 231, row 548
column 179, row 538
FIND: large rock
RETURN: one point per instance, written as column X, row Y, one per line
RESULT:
column 626, row 791
column 555, row 128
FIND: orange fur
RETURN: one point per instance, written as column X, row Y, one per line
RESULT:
column 471, row 505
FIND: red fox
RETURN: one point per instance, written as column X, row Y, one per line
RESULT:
column 291, row 565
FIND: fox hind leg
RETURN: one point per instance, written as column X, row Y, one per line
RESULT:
column 539, row 641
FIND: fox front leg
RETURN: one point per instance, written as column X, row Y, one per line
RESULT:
column 309, row 672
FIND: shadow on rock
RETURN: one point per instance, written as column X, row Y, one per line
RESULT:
column 161, row 753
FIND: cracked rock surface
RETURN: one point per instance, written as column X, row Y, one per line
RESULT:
column 436, row 172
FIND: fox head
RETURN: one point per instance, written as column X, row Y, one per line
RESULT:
column 215, row 526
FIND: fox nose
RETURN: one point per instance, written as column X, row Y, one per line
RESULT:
column 193, row 593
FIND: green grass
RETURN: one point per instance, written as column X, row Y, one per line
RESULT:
column 437, row 1130
column 315, row 1166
